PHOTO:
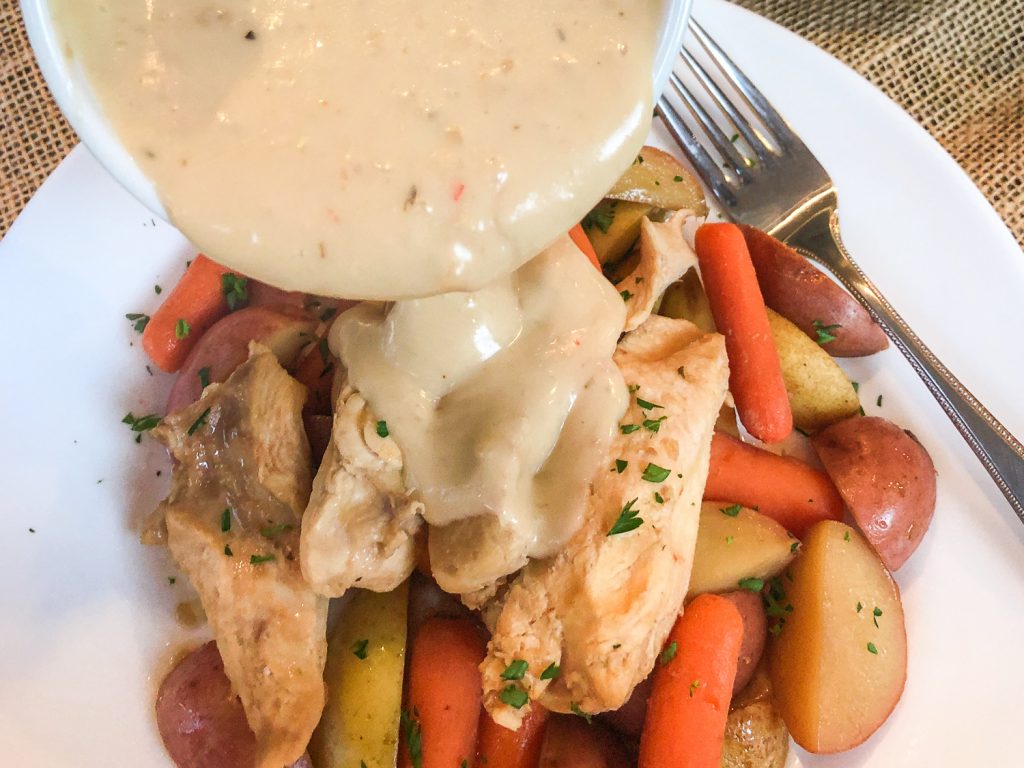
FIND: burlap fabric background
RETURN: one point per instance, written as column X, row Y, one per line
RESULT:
column 957, row 67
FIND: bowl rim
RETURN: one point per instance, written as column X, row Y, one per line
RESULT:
column 71, row 91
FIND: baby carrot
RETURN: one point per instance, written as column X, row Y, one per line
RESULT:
column 444, row 695
column 583, row 243
column 755, row 376
column 498, row 747
column 196, row 303
column 790, row 492
column 689, row 704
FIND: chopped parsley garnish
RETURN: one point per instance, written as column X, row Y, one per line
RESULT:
column 626, row 295
column 872, row 649
column 860, row 606
column 627, row 429
column 824, row 332
column 856, row 386
column 271, row 531
column 250, row 35
column 601, row 218
column 157, row 290
column 655, row 474
column 846, row 535
column 359, row 648
column 225, row 520
column 141, row 423
column 794, row 547
column 620, row 465
column 139, row 321
column 204, row 377
column 729, row 539
column 668, row 653
column 878, row 402
column 694, row 686
column 182, row 328
column 551, row 671
column 659, row 498
column 514, row 696
column 382, row 429
column 516, row 670
column 628, row 520
column 260, row 559
column 413, row 737
column 752, row 583
column 575, row 709
column 647, row 405
column 734, row 138
column 875, row 614
column 172, row 580
column 732, row 511
column 235, row 289
column 198, row 423
column 677, row 178
column 653, row 425
column 227, row 551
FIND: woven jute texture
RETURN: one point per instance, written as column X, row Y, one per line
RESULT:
column 955, row 66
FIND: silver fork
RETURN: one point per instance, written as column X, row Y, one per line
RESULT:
column 786, row 192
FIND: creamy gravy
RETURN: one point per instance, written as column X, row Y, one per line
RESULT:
column 380, row 149
column 503, row 400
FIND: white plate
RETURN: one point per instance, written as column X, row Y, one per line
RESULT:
column 87, row 612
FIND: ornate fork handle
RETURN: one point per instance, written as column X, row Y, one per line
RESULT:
column 999, row 451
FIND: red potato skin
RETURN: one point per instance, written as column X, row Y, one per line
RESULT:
column 570, row 742
column 200, row 720
column 629, row 718
column 803, row 294
column 886, row 478
column 225, row 346
column 755, row 634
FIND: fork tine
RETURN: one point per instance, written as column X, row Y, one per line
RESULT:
column 706, row 166
column 737, row 120
column 754, row 98
column 722, row 143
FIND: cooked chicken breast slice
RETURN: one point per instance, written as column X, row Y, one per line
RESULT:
column 602, row 608
column 664, row 258
column 240, row 482
column 360, row 525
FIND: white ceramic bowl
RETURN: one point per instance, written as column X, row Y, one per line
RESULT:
column 71, row 89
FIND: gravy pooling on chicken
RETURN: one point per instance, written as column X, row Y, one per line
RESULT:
column 381, row 149
column 503, row 402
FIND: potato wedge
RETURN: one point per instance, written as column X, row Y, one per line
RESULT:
column 801, row 292
column 838, row 660
column 658, row 179
column 755, row 736
column 365, row 668
column 886, row 478
column 613, row 226
column 819, row 391
column 737, row 544
column 685, row 300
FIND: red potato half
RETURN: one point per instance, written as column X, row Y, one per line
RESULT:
column 806, row 296
column 755, row 633
column 570, row 742
column 200, row 719
column 225, row 346
column 887, row 480
column 838, row 655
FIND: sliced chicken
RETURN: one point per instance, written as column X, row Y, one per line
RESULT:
column 241, row 480
column 664, row 258
column 359, row 528
column 602, row 608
